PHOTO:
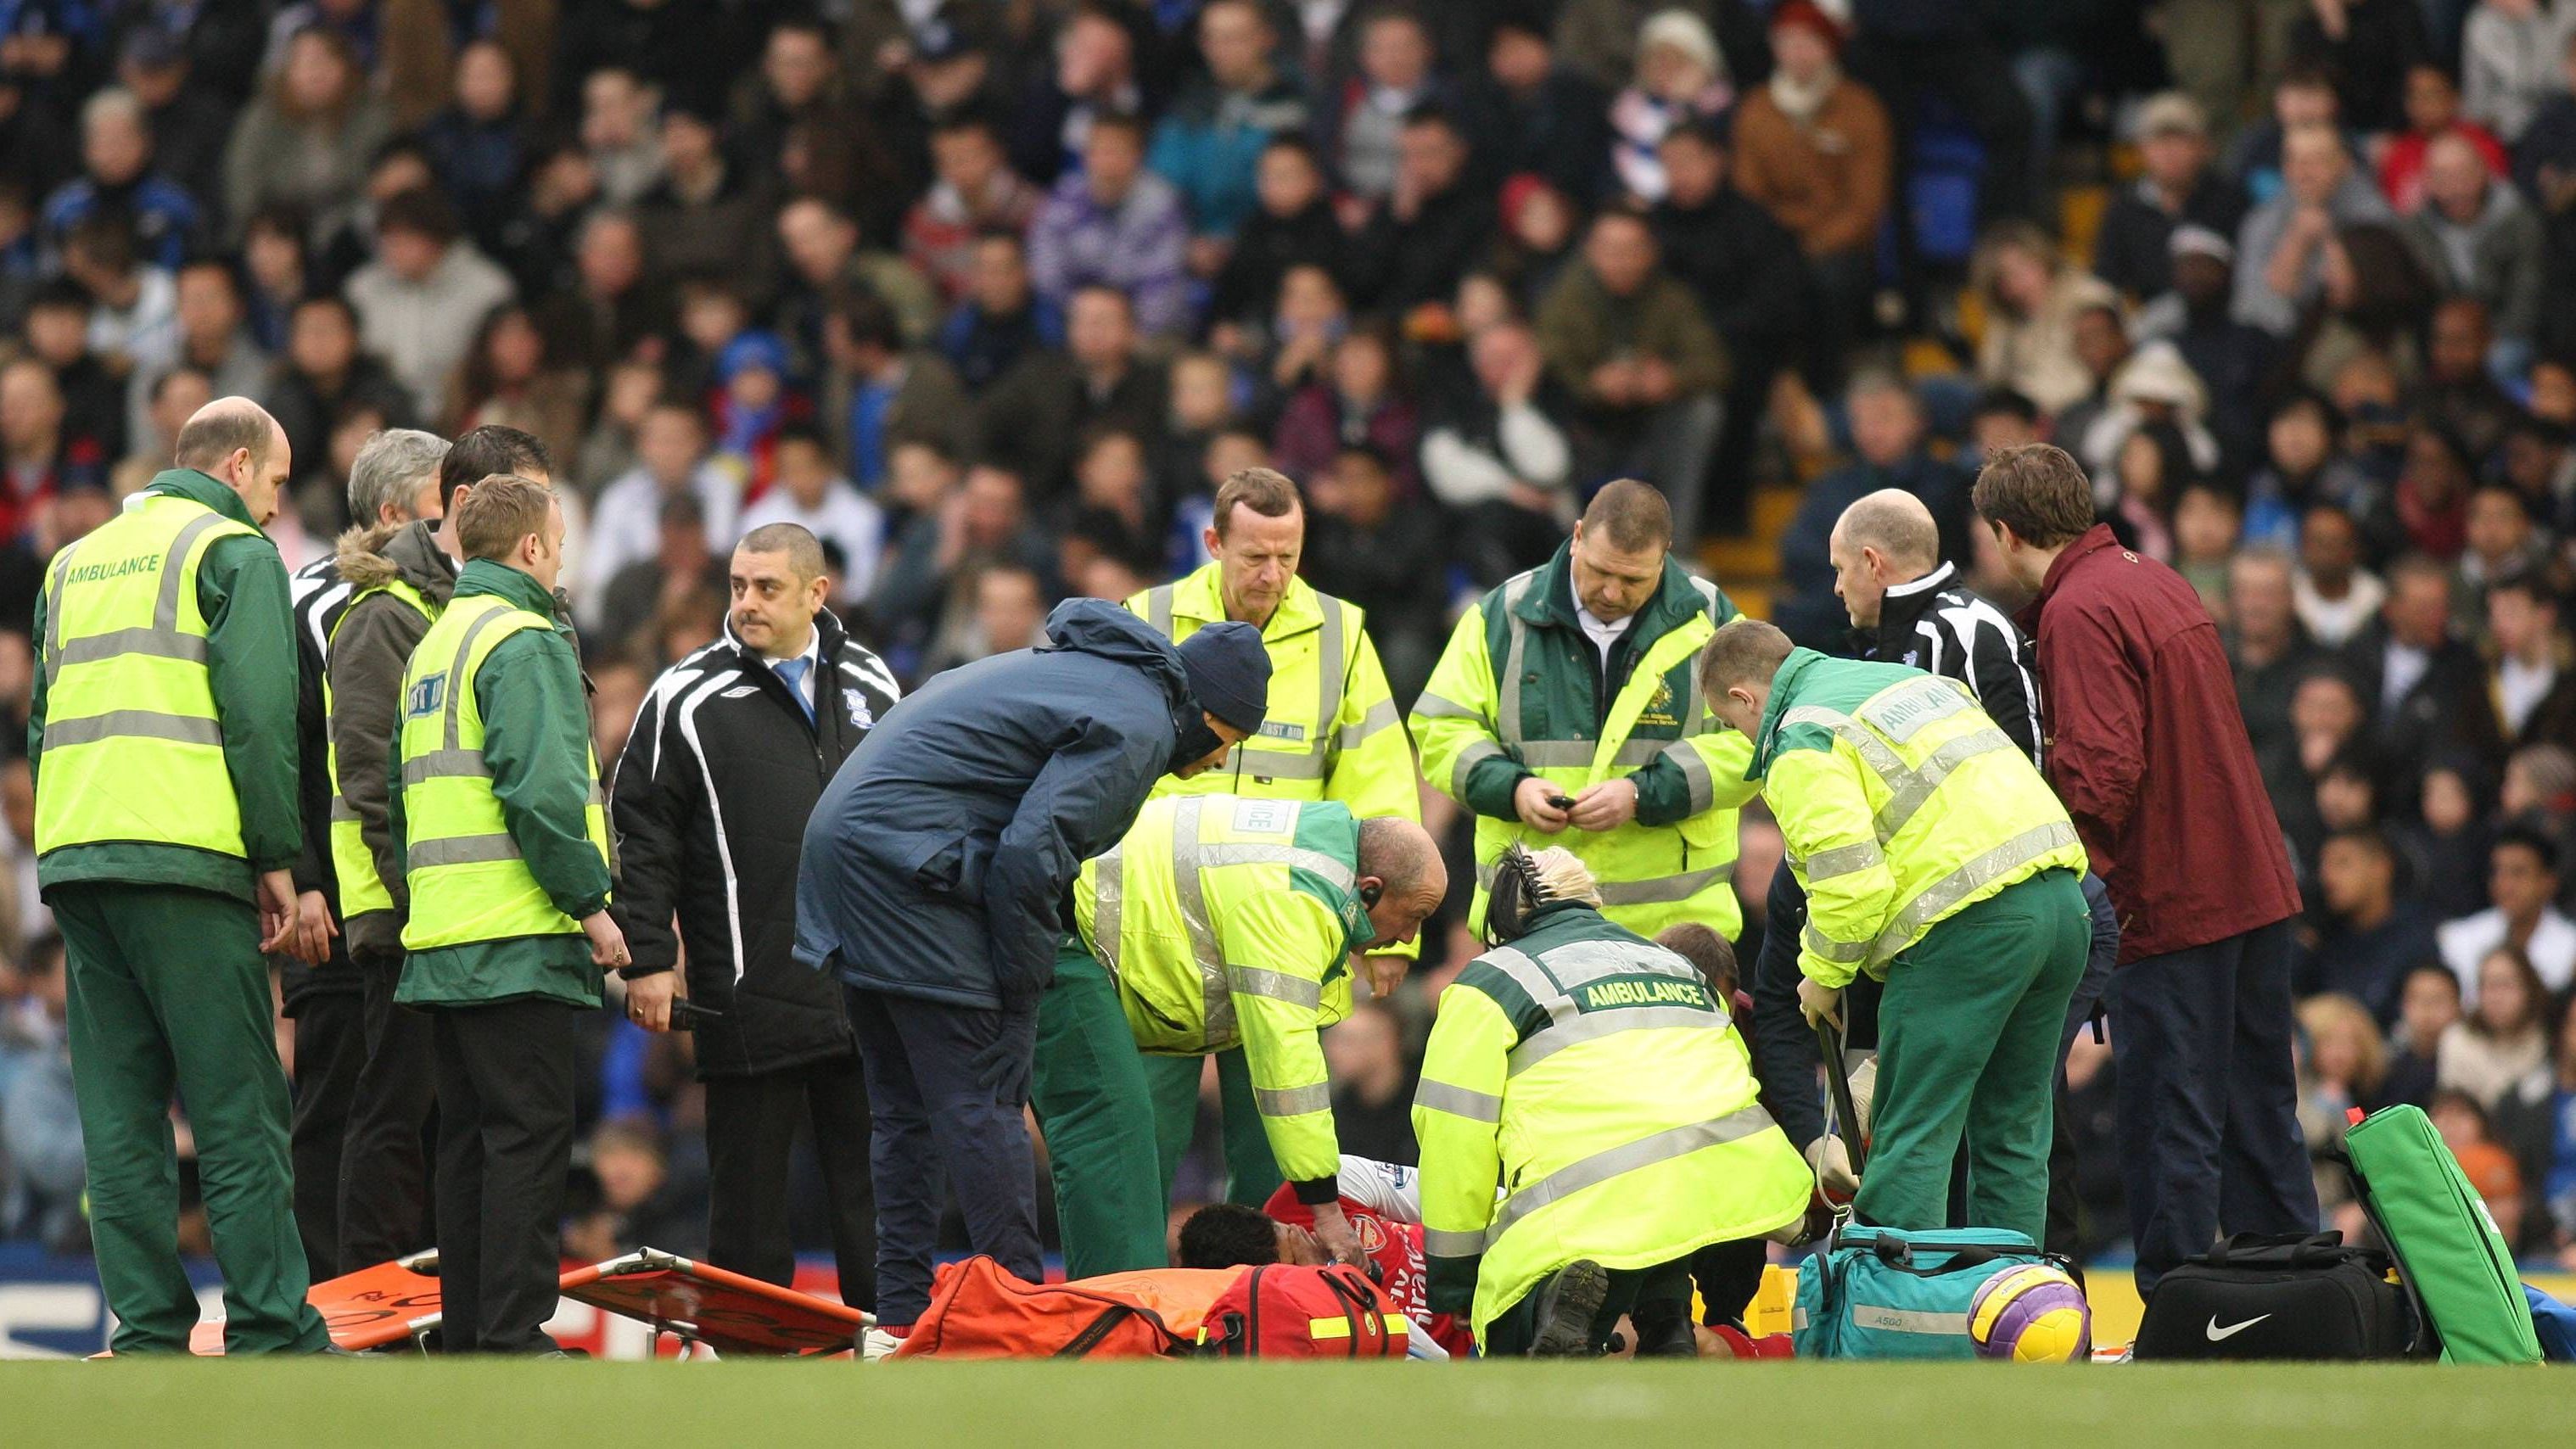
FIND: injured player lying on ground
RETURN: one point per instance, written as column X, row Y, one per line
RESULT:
column 1383, row 1203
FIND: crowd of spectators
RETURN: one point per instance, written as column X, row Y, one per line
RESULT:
column 987, row 293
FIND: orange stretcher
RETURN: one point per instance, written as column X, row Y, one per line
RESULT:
column 372, row 1308
column 695, row 1303
column 728, row 1312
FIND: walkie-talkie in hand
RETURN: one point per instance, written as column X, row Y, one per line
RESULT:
column 687, row 1015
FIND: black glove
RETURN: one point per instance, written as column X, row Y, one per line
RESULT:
column 1002, row 1066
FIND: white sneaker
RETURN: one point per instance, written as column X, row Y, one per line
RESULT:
column 876, row 1344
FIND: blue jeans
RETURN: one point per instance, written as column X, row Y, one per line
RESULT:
column 2209, row 1102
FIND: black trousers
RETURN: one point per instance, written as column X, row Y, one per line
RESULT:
column 752, row 1126
column 383, row 1177
column 2208, row 1104
column 330, row 1040
column 505, row 1091
column 1659, row 1295
column 947, row 1089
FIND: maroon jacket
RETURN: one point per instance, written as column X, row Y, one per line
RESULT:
column 2148, row 750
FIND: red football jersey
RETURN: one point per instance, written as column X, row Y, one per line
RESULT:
column 1384, row 1205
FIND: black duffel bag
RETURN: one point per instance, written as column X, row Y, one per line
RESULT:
column 2294, row 1297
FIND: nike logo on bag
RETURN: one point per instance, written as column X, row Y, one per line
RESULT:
column 2218, row 1334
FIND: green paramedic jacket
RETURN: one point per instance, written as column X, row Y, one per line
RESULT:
column 537, row 744
column 1590, row 1078
column 251, row 668
column 1227, row 920
column 1519, row 691
column 1900, row 804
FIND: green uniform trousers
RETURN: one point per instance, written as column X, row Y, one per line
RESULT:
column 1117, row 1123
column 1251, row 1173
column 169, row 994
column 1967, row 1052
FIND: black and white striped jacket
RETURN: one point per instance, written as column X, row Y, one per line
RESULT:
column 1935, row 624
column 319, row 597
column 711, row 799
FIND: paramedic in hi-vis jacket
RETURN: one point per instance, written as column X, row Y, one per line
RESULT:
column 1937, row 860
column 1565, row 712
column 1594, row 1079
column 1218, row 922
column 1332, row 733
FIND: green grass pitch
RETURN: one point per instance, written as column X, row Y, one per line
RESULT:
column 554, row 1405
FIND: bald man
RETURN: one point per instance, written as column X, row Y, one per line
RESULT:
column 163, row 736
column 1907, row 606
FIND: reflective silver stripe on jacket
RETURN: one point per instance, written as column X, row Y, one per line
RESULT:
column 1468, row 759
column 1653, row 890
column 1694, row 768
column 1108, row 904
column 1577, row 754
column 1664, row 889
column 1381, row 716
column 163, row 639
column 157, row 643
column 456, row 681
column 1616, row 1162
column 1458, row 1101
column 1507, row 685
column 1909, row 786
column 1276, row 764
column 1336, row 873
column 1972, row 876
column 445, row 764
column 461, row 850
column 1844, row 860
column 1847, row 953
column 1158, row 610
column 1592, row 1026
column 1330, row 665
column 1276, row 986
column 1292, row 1101
column 1909, row 793
column 142, row 724
column 1427, row 705
column 1552, row 978
column 1452, row 1243
column 1217, row 1002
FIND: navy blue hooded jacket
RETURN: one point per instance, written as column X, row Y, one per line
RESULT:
column 937, row 861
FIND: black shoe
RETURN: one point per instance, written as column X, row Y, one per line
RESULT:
column 1665, row 1332
column 1567, row 1304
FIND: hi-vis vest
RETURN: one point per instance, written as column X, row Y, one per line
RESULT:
column 1504, row 686
column 361, row 889
column 1226, row 920
column 134, row 750
column 468, row 883
column 1592, row 1077
column 1900, row 804
column 1321, row 669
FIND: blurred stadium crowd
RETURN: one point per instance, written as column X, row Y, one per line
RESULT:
column 986, row 293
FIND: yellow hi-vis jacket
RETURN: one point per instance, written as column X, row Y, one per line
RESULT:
column 1900, row 805
column 1332, row 732
column 1226, row 920
column 1594, row 1079
column 1519, row 693
column 133, row 744
column 362, row 890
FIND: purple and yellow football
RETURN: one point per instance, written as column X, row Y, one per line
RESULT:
column 2031, row 1313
